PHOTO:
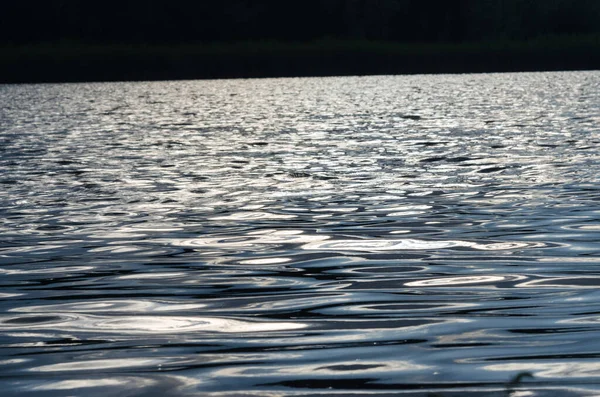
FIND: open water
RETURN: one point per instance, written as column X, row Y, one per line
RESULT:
column 387, row 235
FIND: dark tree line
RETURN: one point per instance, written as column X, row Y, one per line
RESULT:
column 148, row 21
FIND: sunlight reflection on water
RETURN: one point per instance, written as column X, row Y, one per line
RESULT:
column 349, row 235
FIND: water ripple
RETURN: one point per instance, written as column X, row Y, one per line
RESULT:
column 135, row 325
column 421, row 235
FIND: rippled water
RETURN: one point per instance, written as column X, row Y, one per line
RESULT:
column 343, row 236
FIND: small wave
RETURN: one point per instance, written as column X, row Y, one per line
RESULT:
column 463, row 280
column 375, row 245
column 143, row 324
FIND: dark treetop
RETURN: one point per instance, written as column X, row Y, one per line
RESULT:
column 118, row 21
column 73, row 40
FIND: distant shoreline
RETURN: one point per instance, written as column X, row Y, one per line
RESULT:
column 79, row 62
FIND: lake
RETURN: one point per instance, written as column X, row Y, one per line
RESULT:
column 384, row 235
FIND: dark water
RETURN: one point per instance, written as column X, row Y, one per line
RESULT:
column 295, row 237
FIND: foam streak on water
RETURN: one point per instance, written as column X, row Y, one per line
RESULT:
column 341, row 236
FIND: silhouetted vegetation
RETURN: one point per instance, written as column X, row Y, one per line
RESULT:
column 147, row 21
column 140, row 39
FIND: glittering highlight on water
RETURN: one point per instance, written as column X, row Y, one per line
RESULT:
column 363, row 236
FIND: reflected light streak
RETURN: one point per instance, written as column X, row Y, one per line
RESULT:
column 551, row 370
column 99, row 364
column 111, row 306
column 143, row 324
column 84, row 383
column 265, row 261
column 454, row 281
column 408, row 244
column 344, row 368
column 563, row 282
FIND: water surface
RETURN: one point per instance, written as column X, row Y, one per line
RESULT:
column 292, row 237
